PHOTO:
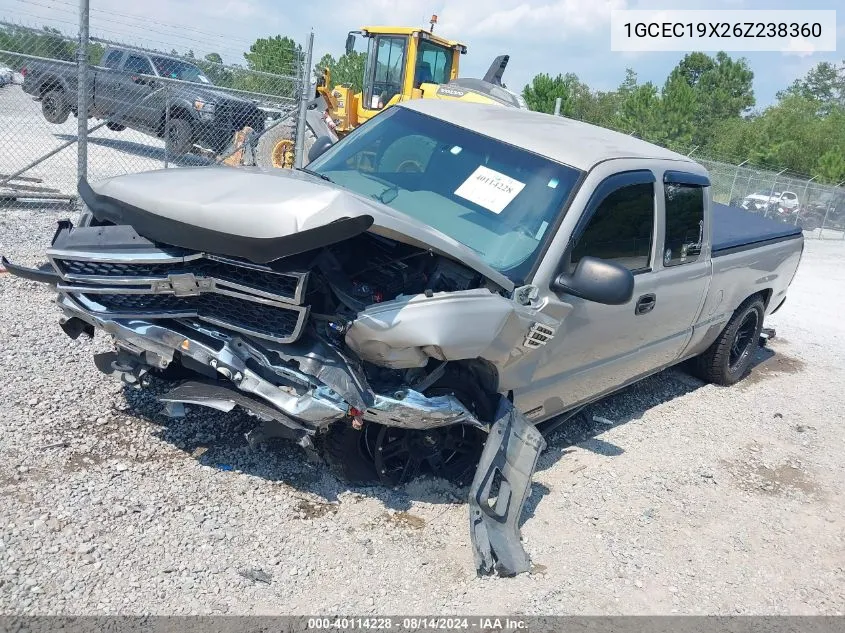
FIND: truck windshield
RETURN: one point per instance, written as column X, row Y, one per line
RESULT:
column 174, row 69
column 496, row 199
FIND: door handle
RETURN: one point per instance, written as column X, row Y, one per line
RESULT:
column 645, row 304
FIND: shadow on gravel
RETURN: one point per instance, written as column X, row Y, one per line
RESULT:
column 217, row 440
column 144, row 151
column 632, row 402
column 584, row 429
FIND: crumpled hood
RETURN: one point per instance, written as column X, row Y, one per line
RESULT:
column 258, row 215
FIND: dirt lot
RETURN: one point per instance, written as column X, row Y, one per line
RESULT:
column 675, row 497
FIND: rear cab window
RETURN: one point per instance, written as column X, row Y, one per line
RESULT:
column 112, row 59
column 683, row 196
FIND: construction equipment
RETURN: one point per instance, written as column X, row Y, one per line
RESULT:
column 402, row 63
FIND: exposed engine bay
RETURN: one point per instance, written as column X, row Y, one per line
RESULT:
column 347, row 346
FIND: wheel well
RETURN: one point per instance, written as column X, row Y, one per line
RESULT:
column 48, row 85
column 176, row 112
column 482, row 378
column 766, row 295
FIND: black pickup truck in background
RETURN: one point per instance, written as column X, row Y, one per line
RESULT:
column 134, row 89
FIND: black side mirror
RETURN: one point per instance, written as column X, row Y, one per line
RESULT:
column 319, row 147
column 350, row 43
column 598, row 280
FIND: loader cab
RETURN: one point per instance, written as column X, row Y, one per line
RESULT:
column 399, row 62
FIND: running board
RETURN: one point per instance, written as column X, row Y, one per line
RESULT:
column 507, row 463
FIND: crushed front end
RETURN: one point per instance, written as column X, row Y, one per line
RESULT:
column 359, row 336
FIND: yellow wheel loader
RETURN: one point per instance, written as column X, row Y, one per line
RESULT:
column 402, row 63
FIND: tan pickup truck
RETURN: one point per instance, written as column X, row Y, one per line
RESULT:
column 427, row 293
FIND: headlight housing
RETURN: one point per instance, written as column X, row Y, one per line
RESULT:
column 204, row 107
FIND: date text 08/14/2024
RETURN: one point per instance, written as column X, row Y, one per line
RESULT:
column 417, row 623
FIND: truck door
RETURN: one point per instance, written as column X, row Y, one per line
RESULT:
column 107, row 84
column 139, row 82
column 597, row 347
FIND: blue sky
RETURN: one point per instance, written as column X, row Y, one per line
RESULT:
column 553, row 36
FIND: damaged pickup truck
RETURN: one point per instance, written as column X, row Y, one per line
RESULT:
column 425, row 293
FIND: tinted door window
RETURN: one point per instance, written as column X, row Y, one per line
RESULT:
column 684, row 223
column 621, row 228
column 139, row 65
column 112, row 60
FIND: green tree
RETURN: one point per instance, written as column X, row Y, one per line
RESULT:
column 639, row 112
column 346, row 70
column 831, row 166
column 212, row 66
column 721, row 89
column 677, row 113
column 542, row 92
column 824, row 83
column 790, row 134
column 279, row 55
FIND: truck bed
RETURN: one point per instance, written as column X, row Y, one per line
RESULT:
column 735, row 229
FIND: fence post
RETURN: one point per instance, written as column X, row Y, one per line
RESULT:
column 304, row 98
column 733, row 184
column 772, row 192
column 558, row 103
column 166, row 123
column 807, row 186
column 82, row 98
column 824, row 221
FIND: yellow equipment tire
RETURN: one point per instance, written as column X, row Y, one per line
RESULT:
column 407, row 154
column 275, row 149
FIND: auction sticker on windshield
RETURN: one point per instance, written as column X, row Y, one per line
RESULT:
column 489, row 189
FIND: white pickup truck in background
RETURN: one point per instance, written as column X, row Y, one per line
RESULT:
column 767, row 202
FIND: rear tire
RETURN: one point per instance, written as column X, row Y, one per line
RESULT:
column 728, row 359
column 54, row 106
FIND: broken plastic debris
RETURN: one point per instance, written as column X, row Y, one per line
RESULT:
column 256, row 575
column 601, row 420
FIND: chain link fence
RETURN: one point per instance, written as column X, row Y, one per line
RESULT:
column 817, row 208
column 147, row 110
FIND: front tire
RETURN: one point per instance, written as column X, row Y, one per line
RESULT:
column 54, row 107
column 728, row 359
column 394, row 456
column 178, row 137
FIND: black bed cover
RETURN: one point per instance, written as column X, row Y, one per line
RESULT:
column 735, row 229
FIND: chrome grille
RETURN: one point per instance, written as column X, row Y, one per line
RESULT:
column 257, row 319
column 241, row 296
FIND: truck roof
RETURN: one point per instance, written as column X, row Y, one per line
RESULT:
column 574, row 143
column 141, row 51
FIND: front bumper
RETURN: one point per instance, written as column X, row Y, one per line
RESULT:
column 308, row 403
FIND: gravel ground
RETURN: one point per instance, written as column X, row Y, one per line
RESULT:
column 675, row 497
